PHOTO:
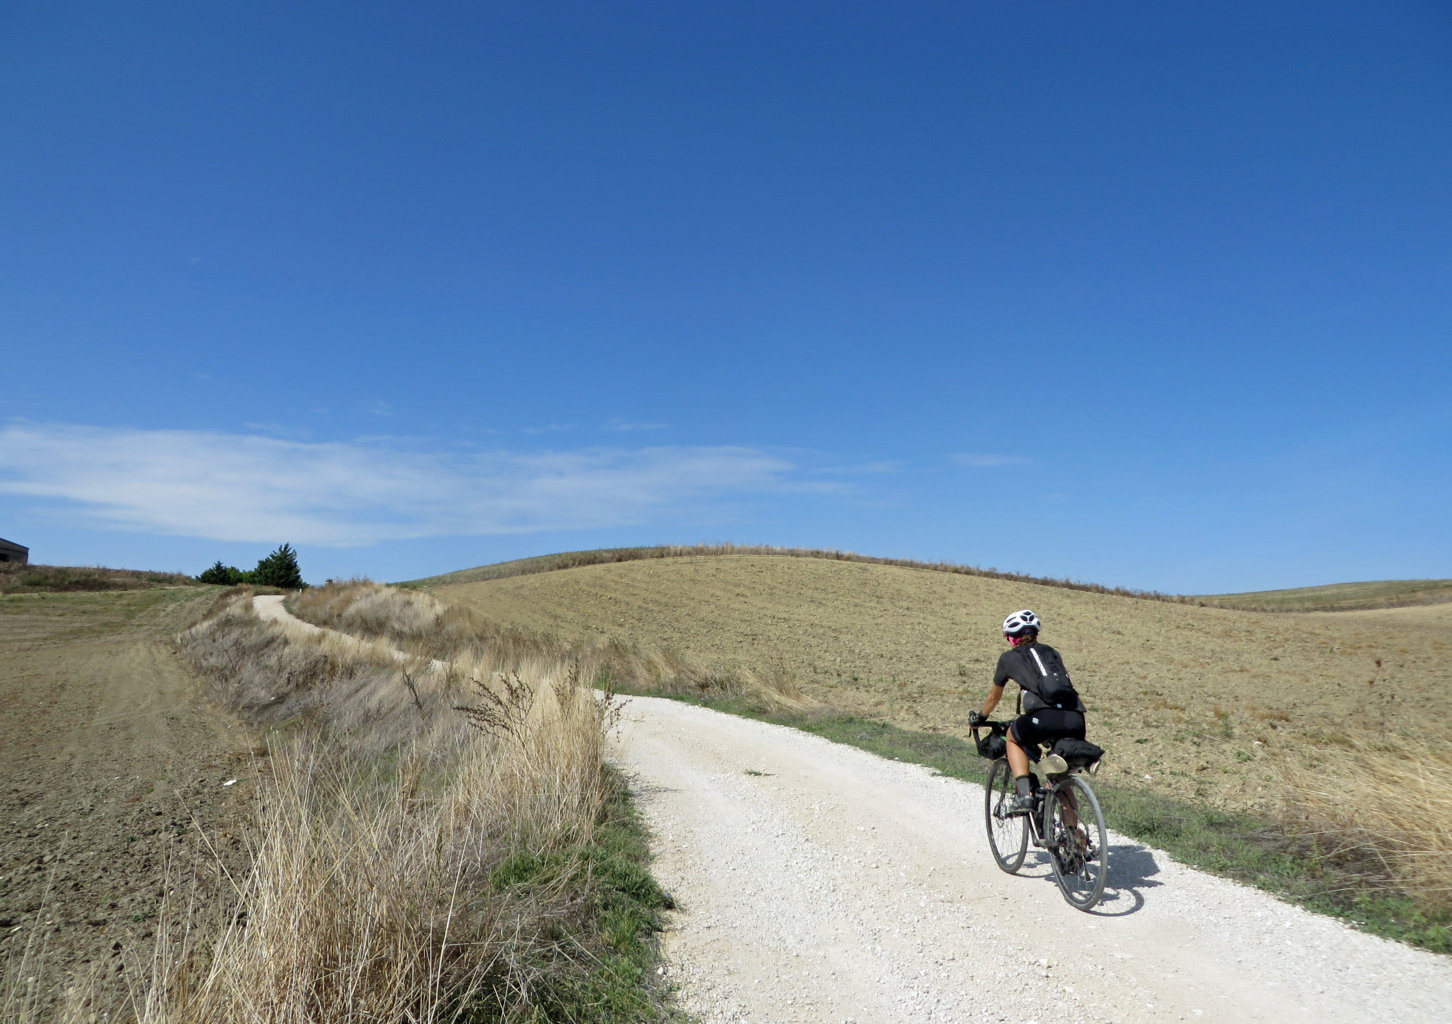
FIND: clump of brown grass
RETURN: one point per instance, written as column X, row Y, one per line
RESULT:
column 1384, row 803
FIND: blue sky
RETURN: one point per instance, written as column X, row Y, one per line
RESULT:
column 1141, row 294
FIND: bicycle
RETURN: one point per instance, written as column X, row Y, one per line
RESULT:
column 1066, row 822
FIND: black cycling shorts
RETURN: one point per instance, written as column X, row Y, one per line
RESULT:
column 1045, row 726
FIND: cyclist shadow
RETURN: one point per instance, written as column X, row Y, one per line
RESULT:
column 1132, row 869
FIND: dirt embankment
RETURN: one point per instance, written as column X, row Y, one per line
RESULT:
column 113, row 769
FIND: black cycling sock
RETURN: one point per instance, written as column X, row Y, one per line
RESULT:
column 1021, row 785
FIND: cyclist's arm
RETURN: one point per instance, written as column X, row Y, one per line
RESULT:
column 995, row 694
column 1001, row 678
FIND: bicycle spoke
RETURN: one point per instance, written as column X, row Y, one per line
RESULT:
column 1078, row 843
column 1007, row 835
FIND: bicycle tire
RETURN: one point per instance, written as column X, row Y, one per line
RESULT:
column 1081, row 874
column 1007, row 836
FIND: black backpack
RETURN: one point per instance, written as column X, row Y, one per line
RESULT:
column 1047, row 678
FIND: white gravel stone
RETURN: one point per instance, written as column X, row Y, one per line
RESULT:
column 839, row 886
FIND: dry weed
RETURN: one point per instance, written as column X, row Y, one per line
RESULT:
column 1383, row 802
column 430, row 629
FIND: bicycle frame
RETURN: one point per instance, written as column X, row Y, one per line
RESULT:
column 1066, row 822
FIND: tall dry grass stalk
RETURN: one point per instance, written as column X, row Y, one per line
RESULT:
column 1384, row 803
column 397, row 792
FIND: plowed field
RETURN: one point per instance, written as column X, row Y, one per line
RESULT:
column 117, row 820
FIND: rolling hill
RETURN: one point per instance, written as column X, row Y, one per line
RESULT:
column 1210, row 703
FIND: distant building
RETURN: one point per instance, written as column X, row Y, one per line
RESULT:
column 13, row 553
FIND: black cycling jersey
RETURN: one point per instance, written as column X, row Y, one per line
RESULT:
column 1018, row 664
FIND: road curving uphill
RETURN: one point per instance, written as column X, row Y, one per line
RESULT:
column 817, row 883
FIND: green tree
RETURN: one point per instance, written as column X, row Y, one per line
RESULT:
column 279, row 569
column 227, row 575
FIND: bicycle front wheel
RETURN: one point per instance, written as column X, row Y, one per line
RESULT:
column 1078, row 843
column 1007, row 836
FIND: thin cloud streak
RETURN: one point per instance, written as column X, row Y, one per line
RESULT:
column 233, row 487
column 988, row 461
column 624, row 427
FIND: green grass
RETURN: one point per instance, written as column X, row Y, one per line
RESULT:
column 604, row 967
column 1255, row 851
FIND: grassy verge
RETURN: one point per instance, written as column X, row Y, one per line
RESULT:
column 437, row 843
column 1294, row 862
column 618, row 980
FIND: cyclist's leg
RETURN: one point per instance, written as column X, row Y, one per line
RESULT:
column 1018, row 759
column 1018, row 762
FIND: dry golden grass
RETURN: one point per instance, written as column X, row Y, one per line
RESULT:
column 1339, row 596
column 609, row 556
column 50, row 579
column 1383, row 801
column 421, row 623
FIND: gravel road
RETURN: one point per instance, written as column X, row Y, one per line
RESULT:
column 816, row 883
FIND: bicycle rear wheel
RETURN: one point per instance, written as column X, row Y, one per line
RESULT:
column 1007, row 836
column 1078, row 843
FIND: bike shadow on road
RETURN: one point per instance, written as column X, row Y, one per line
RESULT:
column 1132, row 870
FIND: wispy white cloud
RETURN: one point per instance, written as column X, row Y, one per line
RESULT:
column 973, row 461
column 879, row 468
column 624, row 427
column 242, row 487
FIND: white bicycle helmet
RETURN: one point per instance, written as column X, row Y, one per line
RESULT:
column 1019, row 622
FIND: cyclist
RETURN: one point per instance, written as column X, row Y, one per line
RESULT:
column 1051, row 707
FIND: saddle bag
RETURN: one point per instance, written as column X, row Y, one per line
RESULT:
column 1078, row 753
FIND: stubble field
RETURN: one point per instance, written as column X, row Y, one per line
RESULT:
column 1204, row 703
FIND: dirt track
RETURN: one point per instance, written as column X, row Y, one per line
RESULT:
column 112, row 766
column 817, row 883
